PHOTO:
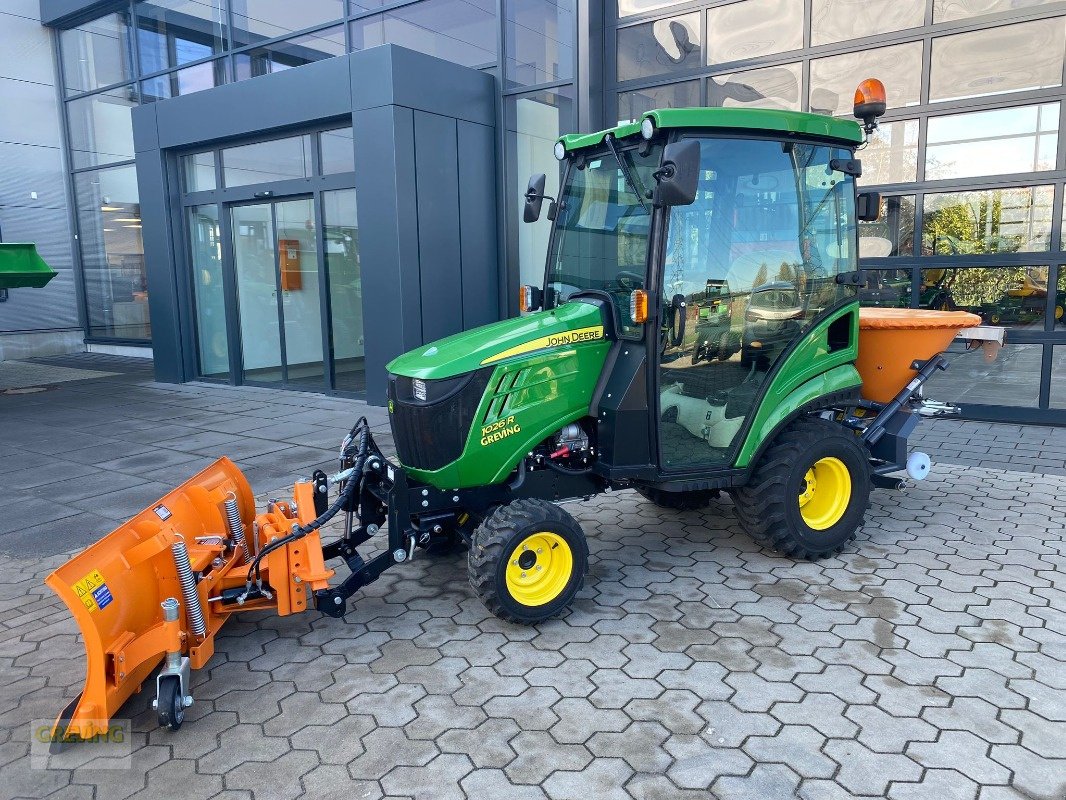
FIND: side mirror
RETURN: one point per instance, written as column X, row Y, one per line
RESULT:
column 678, row 175
column 534, row 198
column 868, row 206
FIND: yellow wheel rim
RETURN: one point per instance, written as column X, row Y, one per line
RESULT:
column 1058, row 312
column 825, row 493
column 539, row 569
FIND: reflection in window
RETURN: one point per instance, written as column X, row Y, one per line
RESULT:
column 1012, row 379
column 629, row 8
column 539, row 41
column 947, row 10
column 892, row 233
column 97, row 53
column 101, row 130
column 753, row 28
column 534, row 122
column 112, row 255
column 462, row 31
column 291, row 53
column 174, row 32
column 887, row 288
column 655, row 48
column 892, row 154
column 1010, row 58
column 276, row 160
column 340, row 233
column 184, row 81
column 674, row 95
column 770, row 87
column 256, row 20
column 338, row 150
column 833, row 79
column 205, row 251
column 199, row 171
column 1011, row 220
column 1015, row 297
column 840, row 20
column 1058, row 376
column 1005, row 140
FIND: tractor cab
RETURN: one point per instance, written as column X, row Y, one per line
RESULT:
column 711, row 281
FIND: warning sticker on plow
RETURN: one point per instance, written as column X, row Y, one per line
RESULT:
column 92, row 591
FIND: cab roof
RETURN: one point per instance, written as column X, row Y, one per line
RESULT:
column 789, row 123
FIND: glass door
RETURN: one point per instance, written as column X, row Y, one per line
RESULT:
column 275, row 260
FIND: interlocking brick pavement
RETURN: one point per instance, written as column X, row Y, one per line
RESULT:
column 925, row 661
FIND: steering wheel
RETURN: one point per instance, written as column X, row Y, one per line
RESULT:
column 628, row 280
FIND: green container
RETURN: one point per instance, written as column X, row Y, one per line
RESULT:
column 21, row 266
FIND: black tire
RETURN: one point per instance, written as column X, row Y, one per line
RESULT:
column 678, row 501
column 769, row 506
column 171, row 705
column 501, row 537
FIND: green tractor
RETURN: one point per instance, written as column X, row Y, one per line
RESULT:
column 600, row 385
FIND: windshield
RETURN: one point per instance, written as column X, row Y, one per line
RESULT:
column 601, row 230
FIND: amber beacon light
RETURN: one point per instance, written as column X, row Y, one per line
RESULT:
column 870, row 103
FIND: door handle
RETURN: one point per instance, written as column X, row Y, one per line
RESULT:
column 677, row 328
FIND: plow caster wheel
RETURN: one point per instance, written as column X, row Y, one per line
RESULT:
column 171, row 703
column 809, row 492
column 678, row 501
column 527, row 561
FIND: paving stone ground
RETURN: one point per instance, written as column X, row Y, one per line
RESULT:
column 925, row 661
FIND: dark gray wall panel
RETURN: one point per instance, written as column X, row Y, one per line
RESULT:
column 440, row 258
column 478, row 223
column 62, row 11
column 26, row 168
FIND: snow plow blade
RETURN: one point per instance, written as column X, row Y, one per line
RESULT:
column 158, row 589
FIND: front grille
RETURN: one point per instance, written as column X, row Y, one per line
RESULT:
column 430, row 434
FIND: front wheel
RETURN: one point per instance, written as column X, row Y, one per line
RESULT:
column 809, row 492
column 170, row 704
column 528, row 561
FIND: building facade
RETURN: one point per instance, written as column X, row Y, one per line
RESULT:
column 969, row 159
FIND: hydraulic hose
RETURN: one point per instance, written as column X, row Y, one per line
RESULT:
column 360, row 437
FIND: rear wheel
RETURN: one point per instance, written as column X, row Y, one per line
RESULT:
column 527, row 561
column 678, row 501
column 809, row 493
column 171, row 703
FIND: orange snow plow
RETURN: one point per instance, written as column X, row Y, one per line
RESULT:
column 161, row 586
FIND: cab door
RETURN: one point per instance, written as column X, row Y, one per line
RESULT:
column 746, row 269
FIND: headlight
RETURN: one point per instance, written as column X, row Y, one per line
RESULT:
column 647, row 128
column 560, row 150
column 418, row 389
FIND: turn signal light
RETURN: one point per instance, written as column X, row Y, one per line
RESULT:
column 871, row 101
column 530, row 298
column 638, row 306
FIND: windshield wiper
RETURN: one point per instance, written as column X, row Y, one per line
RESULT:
column 625, row 172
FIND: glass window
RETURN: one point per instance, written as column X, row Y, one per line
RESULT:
column 753, row 28
column 947, row 10
column 338, row 150
column 892, row 233
column 276, row 160
column 101, row 130
column 656, row 48
column 1010, row 58
column 256, row 20
column 1012, row 379
column 291, row 53
column 833, row 79
column 1058, row 376
column 839, row 20
column 629, row 8
column 463, row 31
column 174, row 32
column 886, row 287
column 97, row 54
column 199, row 171
column 1015, row 297
column 770, row 87
column 892, row 154
column 341, row 235
column 205, row 250
column 360, row 6
column 534, row 122
column 184, row 81
column 112, row 255
column 1011, row 220
column 998, row 142
column 674, row 95
column 539, row 41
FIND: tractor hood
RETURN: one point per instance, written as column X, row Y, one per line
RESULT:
column 569, row 324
